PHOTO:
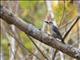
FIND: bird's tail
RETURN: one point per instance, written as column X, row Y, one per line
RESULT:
column 62, row 40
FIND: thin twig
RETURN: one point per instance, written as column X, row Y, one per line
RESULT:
column 67, row 14
column 62, row 18
column 37, row 46
column 66, row 23
column 22, row 46
column 66, row 34
column 10, row 45
column 78, row 33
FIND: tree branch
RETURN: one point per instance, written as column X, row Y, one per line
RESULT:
column 37, row 47
column 10, row 18
column 73, row 24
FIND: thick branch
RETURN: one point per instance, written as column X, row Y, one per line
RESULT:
column 9, row 17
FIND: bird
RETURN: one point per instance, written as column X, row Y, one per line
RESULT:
column 53, row 29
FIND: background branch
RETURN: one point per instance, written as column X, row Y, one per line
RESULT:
column 37, row 47
column 66, row 34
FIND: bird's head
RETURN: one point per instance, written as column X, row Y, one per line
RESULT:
column 49, row 19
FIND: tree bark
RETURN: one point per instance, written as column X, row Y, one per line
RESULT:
column 10, row 18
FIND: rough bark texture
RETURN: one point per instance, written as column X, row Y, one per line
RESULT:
column 10, row 18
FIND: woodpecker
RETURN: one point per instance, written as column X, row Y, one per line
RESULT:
column 53, row 29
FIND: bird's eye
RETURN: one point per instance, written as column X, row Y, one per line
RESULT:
column 46, row 22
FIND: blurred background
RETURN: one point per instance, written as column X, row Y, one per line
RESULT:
column 16, row 45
